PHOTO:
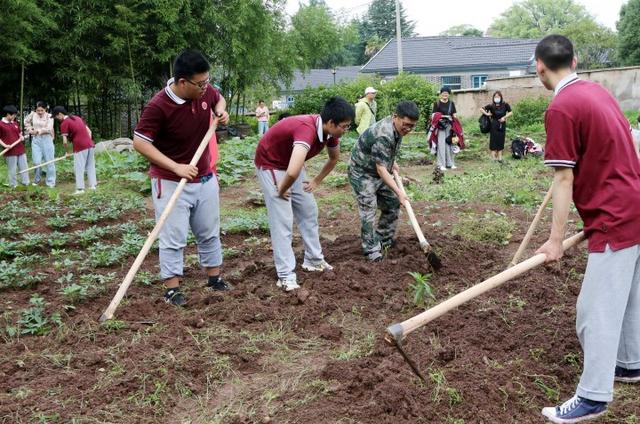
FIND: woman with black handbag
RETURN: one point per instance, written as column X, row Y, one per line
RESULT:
column 498, row 111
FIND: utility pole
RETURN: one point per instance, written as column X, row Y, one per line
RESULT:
column 398, row 36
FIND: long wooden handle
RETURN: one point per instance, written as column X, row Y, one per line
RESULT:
column 44, row 164
column 9, row 148
column 124, row 286
column 400, row 330
column 412, row 217
column 532, row 228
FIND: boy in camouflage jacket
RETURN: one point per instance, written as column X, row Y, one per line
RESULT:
column 373, row 160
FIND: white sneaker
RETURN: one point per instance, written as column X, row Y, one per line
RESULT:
column 319, row 266
column 442, row 168
column 454, row 167
column 78, row 192
column 287, row 284
column 93, row 188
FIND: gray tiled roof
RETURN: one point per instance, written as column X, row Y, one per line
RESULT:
column 453, row 53
column 317, row 77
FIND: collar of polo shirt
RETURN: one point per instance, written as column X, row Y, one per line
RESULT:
column 566, row 81
column 319, row 129
column 172, row 95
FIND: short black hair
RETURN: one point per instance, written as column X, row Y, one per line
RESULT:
column 555, row 51
column 408, row 110
column 445, row 88
column 59, row 109
column 189, row 63
column 9, row 110
column 338, row 110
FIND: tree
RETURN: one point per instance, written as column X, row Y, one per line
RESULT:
column 380, row 21
column 629, row 33
column 594, row 43
column 465, row 30
column 314, row 35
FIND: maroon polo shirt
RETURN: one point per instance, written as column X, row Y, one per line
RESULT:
column 587, row 131
column 9, row 133
column 275, row 147
column 176, row 127
column 75, row 129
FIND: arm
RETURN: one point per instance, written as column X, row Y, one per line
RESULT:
column 89, row 131
column 359, row 112
column 484, row 112
column 389, row 181
column 334, row 155
column 155, row 156
column 65, row 143
column 220, row 109
column 562, row 195
column 504, row 118
column 296, row 162
column 28, row 124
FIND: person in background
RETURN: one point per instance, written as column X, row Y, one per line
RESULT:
column 262, row 114
column 371, row 166
column 74, row 129
column 16, row 156
column 366, row 110
column 39, row 125
column 288, row 195
column 447, row 110
column 589, row 146
column 498, row 111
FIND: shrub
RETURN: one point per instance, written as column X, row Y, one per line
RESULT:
column 529, row 111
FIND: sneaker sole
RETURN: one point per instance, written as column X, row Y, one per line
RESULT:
column 286, row 287
column 558, row 420
column 628, row 380
column 315, row 269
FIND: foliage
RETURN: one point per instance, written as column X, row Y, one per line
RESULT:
column 245, row 221
column 423, row 293
column 594, row 43
column 380, row 20
column 629, row 33
column 236, row 160
column 315, row 36
column 403, row 87
column 464, row 30
column 492, row 227
column 33, row 320
column 529, row 111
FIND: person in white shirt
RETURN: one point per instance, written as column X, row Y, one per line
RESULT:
column 39, row 125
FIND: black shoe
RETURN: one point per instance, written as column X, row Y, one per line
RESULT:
column 218, row 284
column 175, row 297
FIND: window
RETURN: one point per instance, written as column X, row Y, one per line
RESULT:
column 477, row 81
column 454, row 82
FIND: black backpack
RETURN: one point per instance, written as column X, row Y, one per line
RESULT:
column 518, row 150
column 485, row 124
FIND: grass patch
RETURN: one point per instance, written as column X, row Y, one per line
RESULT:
column 241, row 220
column 492, row 227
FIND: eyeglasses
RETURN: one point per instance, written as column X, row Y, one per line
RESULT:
column 408, row 127
column 344, row 127
column 199, row 84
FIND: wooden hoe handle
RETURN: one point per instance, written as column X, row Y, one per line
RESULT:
column 44, row 164
column 2, row 153
column 108, row 313
column 399, row 331
column 532, row 228
column 412, row 217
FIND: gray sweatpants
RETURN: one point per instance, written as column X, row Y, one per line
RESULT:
column 19, row 162
column 85, row 161
column 197, row 207
column 445, row 151
column 303, row 208
column 608, row 319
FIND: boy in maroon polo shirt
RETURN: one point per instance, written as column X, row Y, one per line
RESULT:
column 170, row 130
column 589, row 146
column 74, row 128
column 280, row 158
column 16, row 157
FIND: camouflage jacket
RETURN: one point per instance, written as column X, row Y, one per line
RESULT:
column 380, row 143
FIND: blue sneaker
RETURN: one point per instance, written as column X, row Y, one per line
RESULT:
column 625, row 375
column 575, row 410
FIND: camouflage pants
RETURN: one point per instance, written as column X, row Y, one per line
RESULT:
column 372, row 194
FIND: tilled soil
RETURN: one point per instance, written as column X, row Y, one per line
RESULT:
column 316, row 355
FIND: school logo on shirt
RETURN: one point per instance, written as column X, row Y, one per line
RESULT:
column 204, row 106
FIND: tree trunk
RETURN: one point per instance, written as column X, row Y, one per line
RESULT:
column 22, row 97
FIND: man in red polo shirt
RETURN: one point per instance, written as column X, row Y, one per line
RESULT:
column 589, row 146
column 280, row 158
column 170, row 130
column 15, row 157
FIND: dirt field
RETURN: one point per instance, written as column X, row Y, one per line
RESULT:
column 316, row 355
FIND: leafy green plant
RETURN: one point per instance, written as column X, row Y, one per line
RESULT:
column 145, row 278
column 58, row 240
column 245, row 221
column 32, row 320
column 422, row 292
column 492, row 227
column 74, row 293
column 529, row 110
column 59, row 222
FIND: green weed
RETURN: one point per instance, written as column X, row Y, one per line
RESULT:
column 492, row 227
column 422, row 292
